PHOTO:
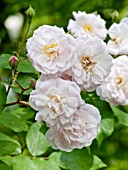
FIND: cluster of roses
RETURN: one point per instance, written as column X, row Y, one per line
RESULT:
column 68, row 63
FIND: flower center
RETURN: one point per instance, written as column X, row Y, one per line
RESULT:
column 51, row 51
column 88, row 27
column 55, row 104
column 118, row 40
column 87, row 63
column 119, row 80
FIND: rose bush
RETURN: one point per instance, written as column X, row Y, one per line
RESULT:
column 60, row 97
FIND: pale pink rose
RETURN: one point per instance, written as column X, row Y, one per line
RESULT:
column 115, row 87
column 56, row 100
column 79, row 132
column 93, row 63
column 87, row 24
column 51, row 50
column 118, row 44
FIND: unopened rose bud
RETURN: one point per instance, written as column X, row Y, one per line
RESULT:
column 32, row 83
column 30, row 12
column 115, row 15
column 13, row 61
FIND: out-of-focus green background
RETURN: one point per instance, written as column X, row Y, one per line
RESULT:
column 114, row 150
column 53, row 12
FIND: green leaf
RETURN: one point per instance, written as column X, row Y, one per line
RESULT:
column 13, row 122
column 4, row 167
column 4, row 61
column 106, row 129
column 25, row 66
column 36, row 142
column 24, row 81
column 97, row 163
column 56, row 157
column 24, row 113
column 103, row 107
column 77, row 159
column 33, row 164
column 41, row 164
column 122, row 116
column 7, row 160
column 8, row 145
column 2, row 96
column 22, row 162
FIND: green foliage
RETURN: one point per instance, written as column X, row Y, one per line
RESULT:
column 106, row 129
column 24, row 113
column 39, row 144
column 4, row 61
column 13, row 122
column 122, row 116
column 7, row 160
column 45, row 164
column 4, row 167
column 77, row 159
column 24, row 81
column 56, row 157
column 2, row 96
column 8, row 146
column 22, row 161
column 25, row 66
column 104, row 108
column 97, row 163
column 22, row 141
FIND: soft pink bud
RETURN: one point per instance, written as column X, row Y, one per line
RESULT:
column 13, row 61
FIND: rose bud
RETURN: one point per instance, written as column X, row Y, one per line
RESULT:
column 13, row 61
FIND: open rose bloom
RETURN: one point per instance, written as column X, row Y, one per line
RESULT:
column 87, row 24
column 51, row 50
column 118, row 44
column 56, row 100
column 78, row 132
column 93, row 63
column 115, row 87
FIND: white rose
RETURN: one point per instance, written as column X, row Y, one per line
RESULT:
column 78, row 132
column 87, row 24
column 118, row 33
column 94, row 63
column 56, row 100
column 115, row 87
column 51, row 50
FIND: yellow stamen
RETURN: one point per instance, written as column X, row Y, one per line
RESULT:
column 87, row 62
column 88, row 27
column 48, row 50
column 119, row 80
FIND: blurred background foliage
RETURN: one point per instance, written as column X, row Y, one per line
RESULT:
column 114, row 150
column 56, row 12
